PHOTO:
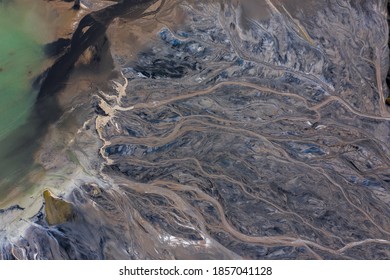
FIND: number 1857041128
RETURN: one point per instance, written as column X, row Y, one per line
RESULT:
column 237, row 270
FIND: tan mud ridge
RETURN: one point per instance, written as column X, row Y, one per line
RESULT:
column 228, row 135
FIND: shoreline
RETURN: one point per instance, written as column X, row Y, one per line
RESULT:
column 220, row 138
column 24, row 202
column 47, row 110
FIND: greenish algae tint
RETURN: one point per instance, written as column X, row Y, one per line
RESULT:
column 25, row 26
column 21, row 57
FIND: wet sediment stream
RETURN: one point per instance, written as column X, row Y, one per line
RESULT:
column 216, row 133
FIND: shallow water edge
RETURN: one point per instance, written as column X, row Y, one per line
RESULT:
column 221, row 135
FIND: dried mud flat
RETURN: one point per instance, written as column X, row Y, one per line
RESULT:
column 220, row 133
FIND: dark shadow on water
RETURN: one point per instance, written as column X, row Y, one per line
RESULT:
column 90, row 32
column 56, row 48
column 18, row 148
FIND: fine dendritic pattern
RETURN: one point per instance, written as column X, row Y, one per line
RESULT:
column 232, row 134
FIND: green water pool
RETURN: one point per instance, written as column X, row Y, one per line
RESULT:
column 21, row 58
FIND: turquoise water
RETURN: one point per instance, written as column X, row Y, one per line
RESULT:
column 23, row 32
column 21, row 58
